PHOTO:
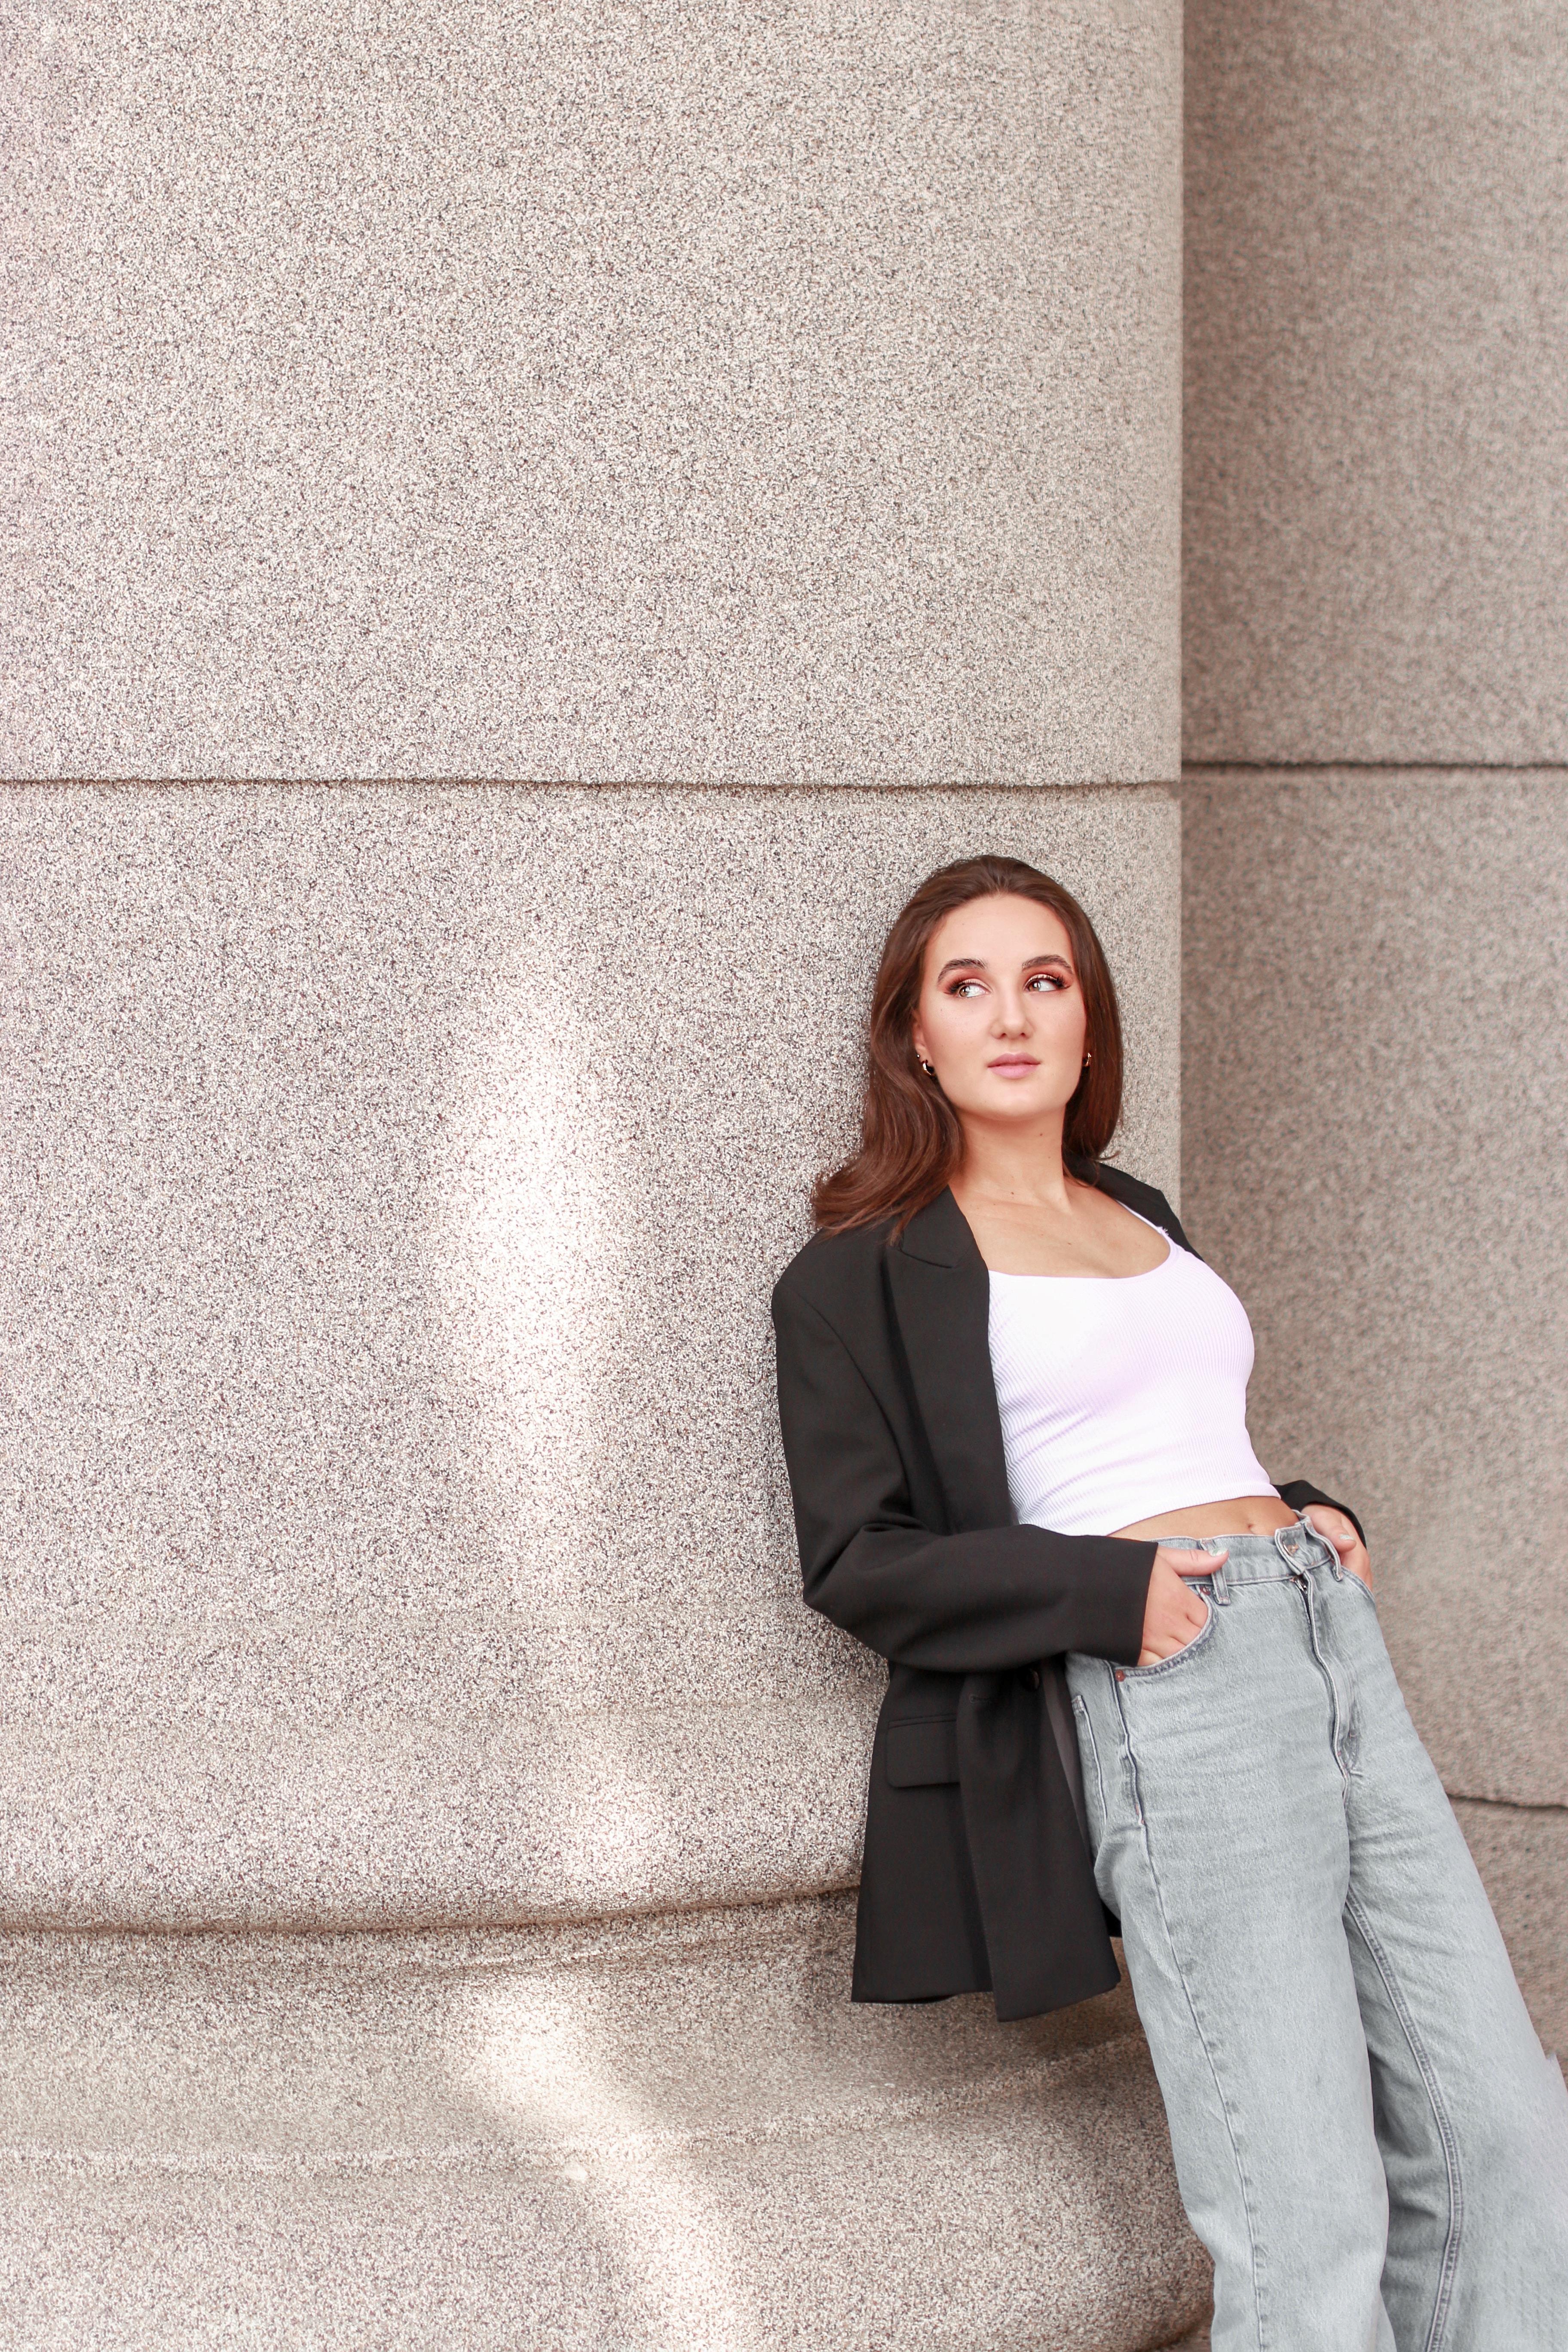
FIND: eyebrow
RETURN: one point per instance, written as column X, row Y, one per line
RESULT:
column 978, row 964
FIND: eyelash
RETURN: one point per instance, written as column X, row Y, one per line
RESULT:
column 1054, row 984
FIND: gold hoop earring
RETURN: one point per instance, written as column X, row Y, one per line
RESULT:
column 929, row 1067
column 1087, row 1060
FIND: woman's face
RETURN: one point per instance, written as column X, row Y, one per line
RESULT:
column 1001, row 1013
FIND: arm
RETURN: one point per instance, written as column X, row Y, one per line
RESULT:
column 976, row 1602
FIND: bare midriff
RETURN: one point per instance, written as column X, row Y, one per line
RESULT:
column 1242, row 1515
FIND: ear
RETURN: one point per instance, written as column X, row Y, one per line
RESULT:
column 918, row 1040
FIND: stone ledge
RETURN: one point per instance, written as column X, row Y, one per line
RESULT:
column 499, row 1820
column 654, row 2133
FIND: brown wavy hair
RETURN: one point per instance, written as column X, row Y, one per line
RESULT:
column 911, row 1139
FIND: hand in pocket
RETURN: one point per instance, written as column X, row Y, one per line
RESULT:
column 1173, row 1615
column 1339, row 1533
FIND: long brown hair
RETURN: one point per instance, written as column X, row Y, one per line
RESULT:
column 911, row 1139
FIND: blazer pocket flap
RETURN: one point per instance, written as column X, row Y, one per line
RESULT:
column 920, row 1755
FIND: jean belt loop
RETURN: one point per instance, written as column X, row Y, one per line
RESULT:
column 1219, row 1584
column 1288, row 1544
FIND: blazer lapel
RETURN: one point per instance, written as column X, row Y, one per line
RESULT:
column 941, row 1298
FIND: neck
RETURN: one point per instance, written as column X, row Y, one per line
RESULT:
column 1003, row 1165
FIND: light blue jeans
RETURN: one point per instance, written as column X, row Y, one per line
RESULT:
column 1368, row 2137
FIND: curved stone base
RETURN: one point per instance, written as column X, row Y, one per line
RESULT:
column 671, row 2133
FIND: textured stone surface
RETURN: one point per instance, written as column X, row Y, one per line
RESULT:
column 1376, row 406
column 1522, row 1856
column 396, row 1531
column 671, row 2134
column 1377, row 1155
column 716, row 393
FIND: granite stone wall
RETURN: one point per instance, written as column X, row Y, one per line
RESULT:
column 1376, row 407
column 654, row 2133
column 529, row 530
column 399, row 1177
column 1377, row 623
column 534, row 528
column 707, row 392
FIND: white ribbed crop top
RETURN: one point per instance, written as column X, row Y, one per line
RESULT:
column 1122, row 1396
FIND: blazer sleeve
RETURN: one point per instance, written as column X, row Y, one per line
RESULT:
column 974, row 1602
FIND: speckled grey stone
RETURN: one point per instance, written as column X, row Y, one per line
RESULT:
column 397, row 1530
column 1376, row 401
column 715, row 393
column 1377, row 1155
column 672, row 2136
column 1522, row 1856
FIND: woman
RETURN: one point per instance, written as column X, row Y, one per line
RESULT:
column 1132, row 1675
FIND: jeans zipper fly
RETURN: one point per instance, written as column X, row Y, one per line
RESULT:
column 1338, row 1711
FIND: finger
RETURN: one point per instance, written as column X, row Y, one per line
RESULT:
column 1338, row 1533
column 1177, row 1642
column 1198, row 1563
column 1332, row 1526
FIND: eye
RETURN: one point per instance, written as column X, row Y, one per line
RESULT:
column 967, row 988
column 1048, row 981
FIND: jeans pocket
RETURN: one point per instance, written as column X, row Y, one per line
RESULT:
column 1367, row 1595
column 1177, row 1658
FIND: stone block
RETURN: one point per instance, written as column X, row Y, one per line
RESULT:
column 1377, row 1114
column 650, row 2134
column 397, row 1533
column 1376, row 406
column 712, row 393
column 1521, row 1854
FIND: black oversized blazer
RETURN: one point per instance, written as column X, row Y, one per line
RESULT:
column 975, row 1874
